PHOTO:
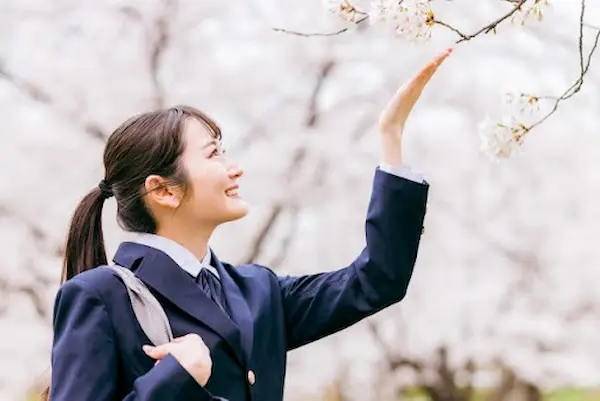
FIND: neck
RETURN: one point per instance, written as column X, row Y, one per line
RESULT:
column 196, row 241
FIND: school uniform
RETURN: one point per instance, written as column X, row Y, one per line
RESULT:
column 97, row 349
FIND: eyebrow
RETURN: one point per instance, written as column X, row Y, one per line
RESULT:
column 210, row 143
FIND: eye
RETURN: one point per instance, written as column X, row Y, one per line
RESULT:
column 217, row 151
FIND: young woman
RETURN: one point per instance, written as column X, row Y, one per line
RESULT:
column 233, row 324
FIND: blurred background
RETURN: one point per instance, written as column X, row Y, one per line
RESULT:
column 505, row 300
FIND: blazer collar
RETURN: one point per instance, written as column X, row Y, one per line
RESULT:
column 159, row 272
column 181, row 255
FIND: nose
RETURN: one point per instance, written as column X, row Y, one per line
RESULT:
column 235, row 170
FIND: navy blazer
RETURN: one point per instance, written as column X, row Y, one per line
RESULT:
column 97, row 348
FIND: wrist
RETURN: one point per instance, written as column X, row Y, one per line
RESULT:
column 391, row 149
column 391, row 128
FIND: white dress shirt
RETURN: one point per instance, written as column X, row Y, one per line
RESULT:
column 180, row 255
column 190, row 263
column 402, row 171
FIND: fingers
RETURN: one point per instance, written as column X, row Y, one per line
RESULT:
column 433, row 65
column 157, row 352
column 161, row 351
column 193, row 337
column 439, row 59
column 186, row 337
column 443, row 56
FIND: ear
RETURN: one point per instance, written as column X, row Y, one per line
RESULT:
column 160, row 193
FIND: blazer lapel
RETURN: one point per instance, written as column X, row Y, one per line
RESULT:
column 239, row 307
column 159, row 272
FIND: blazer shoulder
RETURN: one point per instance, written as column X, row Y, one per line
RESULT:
column 251, row 271
column 100, row 282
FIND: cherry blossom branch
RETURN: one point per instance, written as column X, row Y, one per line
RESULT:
column 501, row 139
column 359, row 21
column 584, row 66
column 491, row 27
column 352, row 14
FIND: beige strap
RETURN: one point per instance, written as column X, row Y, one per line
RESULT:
column 148, row 311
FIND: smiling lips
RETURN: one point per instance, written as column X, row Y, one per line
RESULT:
column 232, row 192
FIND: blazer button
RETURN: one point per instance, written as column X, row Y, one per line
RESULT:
column 251, row 377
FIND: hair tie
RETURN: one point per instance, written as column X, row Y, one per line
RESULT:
column 106, row 189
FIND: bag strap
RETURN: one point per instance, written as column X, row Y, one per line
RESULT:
column 148, row 311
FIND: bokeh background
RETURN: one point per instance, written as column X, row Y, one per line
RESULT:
column 505, row 298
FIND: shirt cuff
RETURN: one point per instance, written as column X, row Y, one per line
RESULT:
column 403, row 172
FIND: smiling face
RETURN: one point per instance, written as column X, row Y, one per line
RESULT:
column 209, row 196
column 212, row 191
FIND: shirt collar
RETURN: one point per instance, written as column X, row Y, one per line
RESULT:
column 180, row 255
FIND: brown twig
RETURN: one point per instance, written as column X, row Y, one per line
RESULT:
column 584, row 67
column 486, row 29
column 313, row 34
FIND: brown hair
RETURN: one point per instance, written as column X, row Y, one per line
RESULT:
column 149, row 143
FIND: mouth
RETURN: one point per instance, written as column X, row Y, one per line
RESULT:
column 232, row 192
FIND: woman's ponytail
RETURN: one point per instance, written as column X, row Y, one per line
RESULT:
column 85, row 242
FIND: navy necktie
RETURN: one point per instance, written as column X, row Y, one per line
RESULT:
column 212, row 287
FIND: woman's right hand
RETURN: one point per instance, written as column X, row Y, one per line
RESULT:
column 191, row 353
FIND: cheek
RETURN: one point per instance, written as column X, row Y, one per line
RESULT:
column 209, row 185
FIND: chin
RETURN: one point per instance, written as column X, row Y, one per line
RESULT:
column 237, row 211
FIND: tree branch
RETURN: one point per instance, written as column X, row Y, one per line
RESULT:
column 37, row 94
column 517, row 4
column 486, row 29
column 259, row 241
column 42, row 240
column 158, row 47
column 364, row 18
column 286, row 243
column 584, row 67
column 32, row 292
column 324, row 73
column 295, row 166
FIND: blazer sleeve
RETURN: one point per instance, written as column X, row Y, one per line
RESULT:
column 85, row 360
column 321, row 304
